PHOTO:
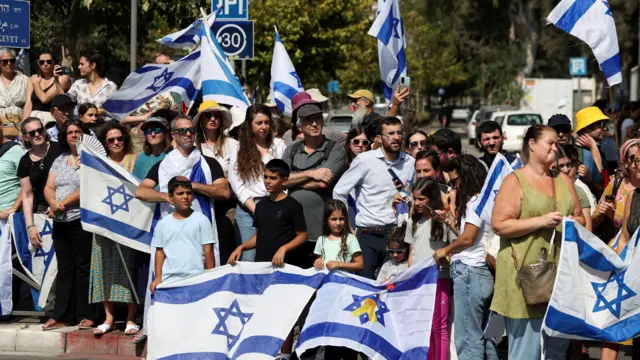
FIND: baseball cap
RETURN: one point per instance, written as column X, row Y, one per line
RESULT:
column 559, row 121
column 62, row 100
column 362, row 93
column 308, row 110
column 299, row 99
column 157, row 120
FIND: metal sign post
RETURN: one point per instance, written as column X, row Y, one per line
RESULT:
column 577, row 69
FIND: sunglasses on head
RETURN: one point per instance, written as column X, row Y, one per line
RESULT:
column 357, row 142
column 7, row 61
column 33, row 133
column 414, row 144
column 184, row 131
column 42, row 62
column 114, row 139
column 157, row 130
column 396, row 252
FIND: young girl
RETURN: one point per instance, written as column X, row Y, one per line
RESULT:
column 398, row 250
column 337, row 248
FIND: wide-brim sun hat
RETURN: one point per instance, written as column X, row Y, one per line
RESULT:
column 588, row 116
column 317, row 95
column 238, row 114
column 210, row 106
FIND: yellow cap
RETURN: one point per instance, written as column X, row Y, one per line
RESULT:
column 588, row 116
column 207, row 104
column 362, row 93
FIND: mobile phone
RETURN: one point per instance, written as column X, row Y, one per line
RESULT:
column 66, row 70
column 405, row 82
column 609, row 199
column 394, row 176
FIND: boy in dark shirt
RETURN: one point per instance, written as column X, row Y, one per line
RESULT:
column 278, row 219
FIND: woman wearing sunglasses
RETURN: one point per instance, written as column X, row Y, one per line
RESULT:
column 211, row 122
column 14, row 87
column 45, row 85
column 33, row 169
column 415, row 142
column 109, row 283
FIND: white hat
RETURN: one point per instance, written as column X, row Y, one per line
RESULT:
column 317, row 95
column 238, row 114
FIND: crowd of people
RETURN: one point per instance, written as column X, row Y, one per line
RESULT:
column 311, row 196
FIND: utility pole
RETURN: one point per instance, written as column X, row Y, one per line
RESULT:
column 133, row 63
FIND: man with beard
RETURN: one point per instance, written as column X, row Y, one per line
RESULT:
column 490, row 140
column 61, row 110
column 370, row 176
column 448, row 145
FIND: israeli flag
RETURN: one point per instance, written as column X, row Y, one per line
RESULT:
column 181, row 77
column 517, row 163
column 108, row 206
column 496, row 175
column 219, row 82
column 592, row 22
column 383, row 321
column 244, row 311
column 595, row 295
column 389, row 30
column 189, row 36
column 285, row 82
column 40, row 264
column 6, row 275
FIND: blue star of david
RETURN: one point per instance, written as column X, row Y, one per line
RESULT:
column 46, row 229
column 624, row 293
column 126, row 198
column 358, row 303
column 223, row 314
column 295, row 75
column 608, row 12
column 47, row 255
column 160, row 80
column 396, row 22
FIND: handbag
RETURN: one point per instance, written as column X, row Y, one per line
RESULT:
column 536, row 280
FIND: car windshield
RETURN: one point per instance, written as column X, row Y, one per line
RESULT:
column 524, row 119
column 340, row 120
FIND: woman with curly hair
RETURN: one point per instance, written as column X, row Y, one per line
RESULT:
column 109, row 283
column 257, row 146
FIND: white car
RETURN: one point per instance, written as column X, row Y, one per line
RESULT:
column 514, row 125
column 471, row 127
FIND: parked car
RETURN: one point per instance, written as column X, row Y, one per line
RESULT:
column 514, row 125
column 340, row 121
column 471, row 127
column 460, row 114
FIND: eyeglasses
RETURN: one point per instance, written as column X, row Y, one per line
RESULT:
column 396, row 252
column 184, row 131
column 114, row 139
column 33, row 133
column 154, row 130
column 357, row 142
column 7, row 61
column 391, row 133
column 414, row 144
column 42, row 62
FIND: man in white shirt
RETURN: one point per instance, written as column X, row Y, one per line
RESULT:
column 375, row 188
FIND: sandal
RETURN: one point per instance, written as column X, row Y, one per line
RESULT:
column 53, row 324
column 139, row 337
column 102, row 329
column 86, row 324
column 131, row 329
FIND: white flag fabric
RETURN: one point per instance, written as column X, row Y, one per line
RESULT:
column 592, row 22
column 181, row 77
column 244, row 311
column 383, row 321
column 39, row 264
column 285, row 82
column 6, row 275
column 595, row 295
column 499, row 170
column 108, row 206
column 189, row 36
column 389, row 30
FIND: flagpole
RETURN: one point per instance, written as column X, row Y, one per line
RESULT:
column 126, row 270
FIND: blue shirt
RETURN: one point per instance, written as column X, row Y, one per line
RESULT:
column 182, row 241
column 588, row 161
column 144, row 163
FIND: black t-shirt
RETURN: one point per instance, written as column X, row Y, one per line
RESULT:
column 277, row 223
column 38, row 171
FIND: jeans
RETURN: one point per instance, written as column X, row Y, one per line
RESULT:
column 244, row 231
column 472, row 293
column 524, row 341
column 374, row 254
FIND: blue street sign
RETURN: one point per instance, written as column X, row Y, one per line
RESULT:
column 235, row 37
column 332, row 86
column 231, row 9
column 14, row 24
column 578, row 66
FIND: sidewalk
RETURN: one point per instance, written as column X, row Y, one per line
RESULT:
column 26, row 336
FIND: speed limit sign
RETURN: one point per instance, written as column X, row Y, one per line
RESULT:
column 235, row 37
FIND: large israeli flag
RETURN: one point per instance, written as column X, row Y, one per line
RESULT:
column 383, row 321
column 389, row 30
column 108, row 206
column 244, row 311
column 181, row 77
column 39, row 264
column 219, row 82
column 6, row 275
column 189, row 36
column 595, row 295
column 285, row 82
column 496, row 175
column 592, row 22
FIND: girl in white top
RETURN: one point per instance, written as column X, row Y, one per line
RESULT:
column 210, row 123
column 337, row 248
column 256, row 147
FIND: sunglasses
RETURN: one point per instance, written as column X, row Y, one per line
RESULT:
column 154, row 130
column 42, row 62
column 8, row 61
column 414, row 144
column 357, row 142
column 454, row 182
column 184, row 131
column 209, row 115
column 33, row 133
column 396, row 252
column 114, row 139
